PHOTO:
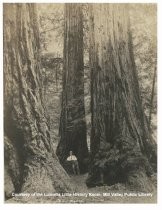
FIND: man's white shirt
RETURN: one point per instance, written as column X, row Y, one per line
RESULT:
column 71, row 157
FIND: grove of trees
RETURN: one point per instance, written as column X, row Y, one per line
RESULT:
column 122, row 148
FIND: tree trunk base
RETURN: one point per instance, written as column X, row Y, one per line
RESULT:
column 122, row 163
column 46, row 177
column 138, row 180
column 9, row 187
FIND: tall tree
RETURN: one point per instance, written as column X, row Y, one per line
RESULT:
column 73, row 124
column 30, row 161
column 121, row 147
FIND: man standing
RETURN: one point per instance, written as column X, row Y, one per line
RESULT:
column 72, row 158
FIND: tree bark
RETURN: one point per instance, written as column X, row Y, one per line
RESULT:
column 73, row 125
column 121, row 147
column 152, row 98
column 29, row 155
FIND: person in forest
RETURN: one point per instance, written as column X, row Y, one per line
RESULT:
column 73, row 160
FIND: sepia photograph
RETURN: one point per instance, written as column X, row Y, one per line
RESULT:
column 80, row 103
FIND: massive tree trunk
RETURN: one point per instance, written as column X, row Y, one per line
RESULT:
column 73, row 125
column 30, row 161
column 121, row 146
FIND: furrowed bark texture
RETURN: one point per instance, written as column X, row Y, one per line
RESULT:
column 120, row 141
column 73, row 125
column 29, row 157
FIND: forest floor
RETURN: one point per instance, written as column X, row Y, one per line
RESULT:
column 104, row 194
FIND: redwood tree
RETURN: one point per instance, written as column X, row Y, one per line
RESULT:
column 72, row 122
column 30, row 162
column 121, row 147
